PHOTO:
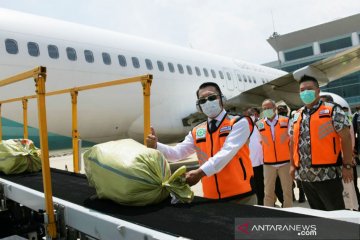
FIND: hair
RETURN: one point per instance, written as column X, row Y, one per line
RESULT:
column 207, row 84
column 307, row 78
column 270, row 100
column 327, row 98
column 252, row 110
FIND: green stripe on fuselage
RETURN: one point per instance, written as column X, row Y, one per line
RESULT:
column 13, row 130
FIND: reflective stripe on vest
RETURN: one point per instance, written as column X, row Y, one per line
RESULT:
column 324, row 140
column 277, row 151
column 234, row 178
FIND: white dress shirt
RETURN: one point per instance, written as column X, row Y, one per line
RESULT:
column 256, row 150
column 272, row 126
column 234, row 141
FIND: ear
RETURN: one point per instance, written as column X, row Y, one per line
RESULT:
column 198, row 107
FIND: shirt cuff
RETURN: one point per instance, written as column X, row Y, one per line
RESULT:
column 208, row 169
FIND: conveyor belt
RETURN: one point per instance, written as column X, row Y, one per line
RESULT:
column 202, row 219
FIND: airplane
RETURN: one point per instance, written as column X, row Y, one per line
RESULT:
column 77, row 55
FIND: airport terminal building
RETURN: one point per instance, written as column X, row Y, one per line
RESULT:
column 303, row 47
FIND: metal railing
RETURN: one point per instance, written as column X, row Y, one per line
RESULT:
column 39, row 75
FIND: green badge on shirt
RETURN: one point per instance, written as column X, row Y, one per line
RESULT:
column 200, row 133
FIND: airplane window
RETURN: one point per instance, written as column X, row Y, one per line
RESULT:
column 206, row 73
column 11, row 46
column 53, row 51
column 148, row 63
column 197, row 70
column 254, row 79
column 228, row 75
column 239, row 77
column 33, row 49
column 89, row 56
column 135, row 62
column 245, row 79
column 122, row 60
column 181, row 69
column 171, row 67
column 71, row 53
column 250, row 80
column 213, row 73
column 221, row 74
column 106, row 58
column 189, row 70
column 160, row 66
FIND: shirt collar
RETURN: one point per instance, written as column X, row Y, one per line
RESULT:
column 274, row 120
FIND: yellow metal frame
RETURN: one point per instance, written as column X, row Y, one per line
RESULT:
column 39, row 75
column 145, row 81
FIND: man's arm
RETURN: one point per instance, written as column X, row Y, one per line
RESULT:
column 347, row 153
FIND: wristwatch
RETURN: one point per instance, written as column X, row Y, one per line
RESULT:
column 347, row 166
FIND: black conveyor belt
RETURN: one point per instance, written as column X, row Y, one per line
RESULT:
column 202, row 219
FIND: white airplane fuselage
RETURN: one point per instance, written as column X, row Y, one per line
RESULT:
column 112, row 112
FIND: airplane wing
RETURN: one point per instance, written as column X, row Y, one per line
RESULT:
column 286, row 87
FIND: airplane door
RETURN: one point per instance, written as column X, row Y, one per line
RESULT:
column 239, row 81
column 229, row 78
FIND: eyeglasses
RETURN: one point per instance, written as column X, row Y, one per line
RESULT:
column 210, row 98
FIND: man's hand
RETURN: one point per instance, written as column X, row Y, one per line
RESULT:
column 151, row 139
column 193, row 177
column 292, row 171
column 347, row 175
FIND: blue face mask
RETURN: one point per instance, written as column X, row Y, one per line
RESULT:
column 307, row 96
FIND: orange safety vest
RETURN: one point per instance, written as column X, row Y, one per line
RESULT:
column 275, row 151
column 324, row 140
column 234, row 178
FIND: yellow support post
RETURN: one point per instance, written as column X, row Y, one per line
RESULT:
column 0, row 124
column 40, row 91
column 75, row 133
column 25, row 102
column 146, row 83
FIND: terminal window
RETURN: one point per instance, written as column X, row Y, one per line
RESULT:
column 335, row 45
column 299, row 53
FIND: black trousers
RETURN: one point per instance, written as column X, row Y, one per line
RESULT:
column 356, row 186
column 259, row 184
column 325, row 195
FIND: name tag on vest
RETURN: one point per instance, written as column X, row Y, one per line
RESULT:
column 225, row 129
column 324, row 112
column 283, row 124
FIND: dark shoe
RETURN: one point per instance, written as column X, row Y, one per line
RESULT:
column 301, row 197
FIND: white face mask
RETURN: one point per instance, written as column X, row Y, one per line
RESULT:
column 211, row 108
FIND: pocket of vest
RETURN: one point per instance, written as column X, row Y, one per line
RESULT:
column 242, row 167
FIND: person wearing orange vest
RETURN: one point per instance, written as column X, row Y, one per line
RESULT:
column 221, row 145
column 275, row 142
column 320, row 148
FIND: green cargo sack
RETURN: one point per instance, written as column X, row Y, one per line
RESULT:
column 129, row 173
column 19, row 155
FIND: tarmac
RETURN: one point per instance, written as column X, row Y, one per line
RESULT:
column 63, row 159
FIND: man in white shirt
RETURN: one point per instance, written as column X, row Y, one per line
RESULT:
column 222, row 150
column 275, row 141
column 256, row 156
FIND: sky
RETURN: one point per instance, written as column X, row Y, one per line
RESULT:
column 233, row 28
